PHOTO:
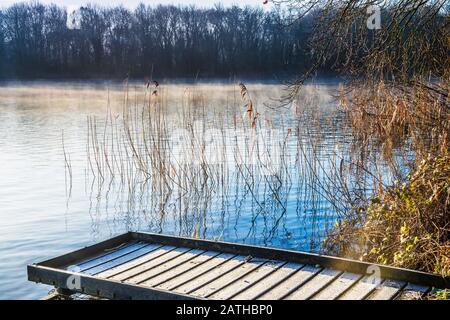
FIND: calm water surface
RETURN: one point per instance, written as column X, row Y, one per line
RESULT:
column 39, row 219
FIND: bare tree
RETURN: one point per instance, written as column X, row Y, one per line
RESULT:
column 410, row 44
column 94, row 24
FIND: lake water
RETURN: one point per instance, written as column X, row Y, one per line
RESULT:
column 45, row 212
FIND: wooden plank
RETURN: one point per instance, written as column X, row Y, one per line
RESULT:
column 85, row 253
column 136, row 262
column 149, row 264
column 338, row 286
column 228, row 278
column 387, row 290
column 181, row 269
column 268, row 282
column 211, row 275
column 314, row 285
column 291, row 283
column 360, row 290
column 413, row 292
column 123, row 259
column 203, row 268
column 247, row 281
column 166, row 266
column 105, row 257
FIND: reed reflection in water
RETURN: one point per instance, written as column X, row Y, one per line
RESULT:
column 228, row 163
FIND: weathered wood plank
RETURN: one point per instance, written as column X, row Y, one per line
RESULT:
column 197, row 271
column 105, row 257
column 150, row 264
column 337, row 287
column 228, row 278
column 247, row 281
column 136, row 262
column 413, row 292
column 387, row 290
column 211, row 275
column 181, row 269
column 166, row 266
column 291, row 283
column 268, row 282
column 360, row 290
column 86, row 253
column 316, row 284
column 123, row 259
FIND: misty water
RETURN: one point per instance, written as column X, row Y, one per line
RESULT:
column 45, row 211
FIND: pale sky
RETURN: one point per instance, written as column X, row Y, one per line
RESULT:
column 133, row 3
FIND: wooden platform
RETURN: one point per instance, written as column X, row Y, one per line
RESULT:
column 152, row 266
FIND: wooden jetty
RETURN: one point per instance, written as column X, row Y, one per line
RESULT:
column 139, row 265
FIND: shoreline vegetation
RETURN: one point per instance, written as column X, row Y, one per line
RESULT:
column 406, row 224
